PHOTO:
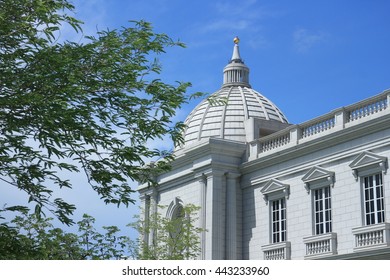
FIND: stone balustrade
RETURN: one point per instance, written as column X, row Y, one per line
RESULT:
column 318, row 125
column 275, row 142
column 367, row 107
column 334, row 121
column 277, row 251
column 371, row 237
column 320, row 245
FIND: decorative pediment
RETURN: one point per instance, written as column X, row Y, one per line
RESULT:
column 368, row 160
column 275, row 189
column 318, row 175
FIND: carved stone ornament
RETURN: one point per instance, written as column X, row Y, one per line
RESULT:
column 275, row 188
column 318, row 175
column 366, row 160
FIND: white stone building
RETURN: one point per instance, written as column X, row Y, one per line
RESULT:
column 272, row 190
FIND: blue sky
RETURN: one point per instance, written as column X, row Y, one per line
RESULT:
column 308, row 57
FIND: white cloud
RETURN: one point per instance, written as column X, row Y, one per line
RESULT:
column 304, row 40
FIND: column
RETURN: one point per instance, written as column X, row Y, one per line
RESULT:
column 153, row 211
column 202, row 179
column 231, row 215
column 146, row 217
column 215, row 216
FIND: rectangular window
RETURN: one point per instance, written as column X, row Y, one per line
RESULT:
column 278, row 220
column 374, row 212
column 322, row 210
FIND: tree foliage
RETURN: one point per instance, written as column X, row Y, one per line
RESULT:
column 104, row 246
column 88, row 106
column 167, row 238
column 28, row 237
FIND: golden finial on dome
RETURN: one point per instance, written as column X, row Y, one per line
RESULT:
column 236, row 40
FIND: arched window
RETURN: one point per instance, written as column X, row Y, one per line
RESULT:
column 176, row 216
column 175, row 209
column 177, row 222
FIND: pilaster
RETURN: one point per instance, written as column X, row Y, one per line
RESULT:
column 152, row 210
column 146, row 203
column 202, row 181
column 231, row 215
column 215, row 216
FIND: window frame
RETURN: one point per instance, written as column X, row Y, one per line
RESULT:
column 365, row 165
column 273, row 191
column 325, row 202
column 278, row 234
column 372, row 201
column 315, row 179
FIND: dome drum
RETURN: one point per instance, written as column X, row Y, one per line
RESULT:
column 235, row 75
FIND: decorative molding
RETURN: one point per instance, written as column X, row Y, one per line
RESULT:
column 232, row 175
column 173, row 206
column 368, row 160
column 275, row 188
column 318, row 176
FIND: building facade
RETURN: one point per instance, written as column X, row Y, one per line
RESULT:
column 269, row 189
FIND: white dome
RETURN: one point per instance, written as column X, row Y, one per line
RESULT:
column 235, row 103
column 226, row 118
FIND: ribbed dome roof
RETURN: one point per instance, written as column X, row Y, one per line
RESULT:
column 227, row 120
column 234, row 103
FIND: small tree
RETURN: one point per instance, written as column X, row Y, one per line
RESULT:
column 32, row 238
column 103, row 246
column 28, row 237
column 176, row 238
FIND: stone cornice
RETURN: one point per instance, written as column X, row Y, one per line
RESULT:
column 202, row 160
column 211, row 146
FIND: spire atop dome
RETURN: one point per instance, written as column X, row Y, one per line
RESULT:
column 236, row 52
column 236, row 73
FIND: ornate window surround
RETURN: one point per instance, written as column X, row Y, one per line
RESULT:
column 319, row 245
column 315, row 179
column 369, row 237
column 318, row 177
column 367, row 163
column 274, row 189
